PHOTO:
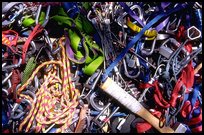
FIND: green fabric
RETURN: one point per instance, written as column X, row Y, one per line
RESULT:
column 74, row 40
column 81, row 22
column 86, row 5
column 79, row 55
column 28, row 21
column 74, row 43
column 62, row 12
column 93, row 66
column 28, row 69
column 87, row 26
column 93, row 54
column 63, row 20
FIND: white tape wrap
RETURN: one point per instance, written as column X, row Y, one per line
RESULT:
column 111, row 88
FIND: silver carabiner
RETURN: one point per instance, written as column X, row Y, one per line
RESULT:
column 12, row 66
column 28, row 92
column 5, row 91
column 120, row 18
column 169, row 24
column 91, row 84
column 127, row 73
column 144, row 50
column 46, row 17
column 16, row 106
column 33, row 49
column 7, row 77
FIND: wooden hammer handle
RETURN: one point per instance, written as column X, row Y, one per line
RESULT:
column 198, row 68
column 111, row 88
column 151, row 119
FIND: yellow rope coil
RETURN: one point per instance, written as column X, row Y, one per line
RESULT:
column 49, row 94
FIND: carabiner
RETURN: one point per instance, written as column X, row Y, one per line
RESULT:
column 28, row 92
column 33, row 49
column 93, row 103
column 16, row 106
column 193, row 33
column 169, row 25
column 12, row 66
column 120, row 18
column 18, row 116
column 7, row 77
column 127, row 73
column 46, row 17
column 144, row 50
column 5, row 91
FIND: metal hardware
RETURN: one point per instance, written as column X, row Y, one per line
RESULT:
column 144, row 50
column 91, row 85
column 12, row 66
column 120, row 18
column 127, row 73
column 195, row 31
column 6, row 79
column 169, row 24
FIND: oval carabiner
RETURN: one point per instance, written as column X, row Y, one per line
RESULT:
column 18, row 116
column 93, row 103
column 12, row 66
column 33, row 49
column 145, row 51
column 15, row 108
column 28, row 92
column 127, row 73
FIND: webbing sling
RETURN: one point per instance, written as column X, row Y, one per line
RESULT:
column 137, row 37
column 77, row 36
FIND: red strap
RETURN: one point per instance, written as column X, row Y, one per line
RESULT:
column 195, row 120
column 157, row 95
column 186, row 109
column 6, row 41
column 181, row 33
column 158, row 92
column 35, row 31
column 197, row 129
column 176, row 91
column 145, row 85
column 145, row 126
column 6, row 131
column 18, row 101
column 189, row 69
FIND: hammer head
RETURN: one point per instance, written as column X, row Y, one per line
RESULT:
column 179, row 128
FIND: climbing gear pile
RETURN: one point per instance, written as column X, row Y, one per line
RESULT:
column 101, row 67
